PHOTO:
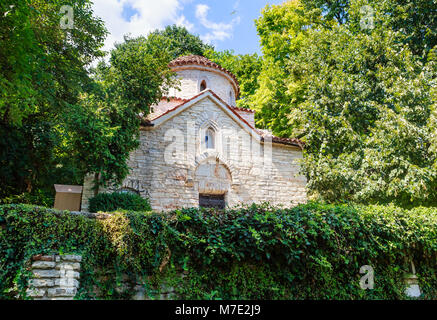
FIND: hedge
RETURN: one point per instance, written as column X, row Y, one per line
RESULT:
column 311, row 251
column 108, row 202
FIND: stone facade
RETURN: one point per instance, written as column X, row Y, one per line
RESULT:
column 173, row 165
column 55, row 277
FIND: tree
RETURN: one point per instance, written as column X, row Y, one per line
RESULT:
column 59, row 121
column 136, row 77
column 246, row 67
column 105, row 125
column 359, row 97
column 416, row 20
column 43, row 67
column 282, row 29
column 177, row 41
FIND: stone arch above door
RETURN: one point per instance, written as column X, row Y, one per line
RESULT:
column 216, row 156
column 212, row 176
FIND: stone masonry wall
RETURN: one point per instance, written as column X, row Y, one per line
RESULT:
column 172, row 183
column 55, row 277
column 248, row 116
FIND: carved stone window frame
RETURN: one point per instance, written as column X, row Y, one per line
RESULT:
column 210, row 124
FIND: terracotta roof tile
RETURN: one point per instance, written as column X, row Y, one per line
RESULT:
column 243, row 109
column 290, row 141
column 173, row 99
column 152, row 117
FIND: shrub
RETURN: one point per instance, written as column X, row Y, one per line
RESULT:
column 311, row 251
column 108, row 202
column 38, row 197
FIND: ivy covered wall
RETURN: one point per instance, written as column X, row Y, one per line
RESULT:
column 311, row 251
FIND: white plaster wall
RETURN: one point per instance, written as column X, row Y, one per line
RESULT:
column 190, row 80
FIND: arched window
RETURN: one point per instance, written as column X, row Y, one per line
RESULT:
column 231, row 98
column 209, row 138
column 203, row 85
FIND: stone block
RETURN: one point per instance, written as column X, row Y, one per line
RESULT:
column 42, row 273
column 61, row 292
column 68, row 266
column 41, row 283
column 43, row 264
column 67, row 282
column 40, row 257
column 71, row 258
column 69, row 274
column 35, row 292
column 413, row 291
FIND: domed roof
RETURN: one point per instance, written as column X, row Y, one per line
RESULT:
column 202, row 61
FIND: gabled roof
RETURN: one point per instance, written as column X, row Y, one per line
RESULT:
column 243, row 109
column 260, row 135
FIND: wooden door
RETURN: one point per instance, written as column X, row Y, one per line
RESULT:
column 212, row 201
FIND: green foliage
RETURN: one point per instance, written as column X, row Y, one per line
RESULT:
column 177, row 41
column 37, row 197
column 246, row 67
column 312, row 251
column 108, row 202
column 86, row 122
column 416, row 20
column 137, row 71
column 43, row 68
column 103, row 129
column 361, row 99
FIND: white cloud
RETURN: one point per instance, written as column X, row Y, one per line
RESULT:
column 236, row 4
column 150, row 15
column 182, row 21
column 218, row 31
column 156, row 14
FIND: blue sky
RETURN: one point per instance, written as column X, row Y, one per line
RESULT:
column 227, row 24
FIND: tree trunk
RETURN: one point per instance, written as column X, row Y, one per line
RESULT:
column 96, row 183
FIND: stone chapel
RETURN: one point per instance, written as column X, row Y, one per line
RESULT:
column 198, row 149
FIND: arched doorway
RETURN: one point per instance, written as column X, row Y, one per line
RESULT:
column 214, row 180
